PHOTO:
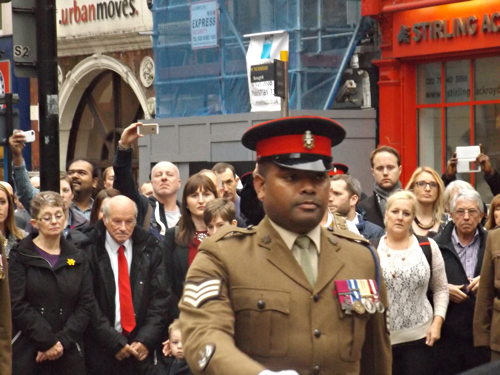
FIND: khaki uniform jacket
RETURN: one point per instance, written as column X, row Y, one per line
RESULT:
column 5, row 321
column 486, row 322
column 268, row 316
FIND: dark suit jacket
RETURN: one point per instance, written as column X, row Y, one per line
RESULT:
column 458, row 322
column 150, row 292
column 370, row 208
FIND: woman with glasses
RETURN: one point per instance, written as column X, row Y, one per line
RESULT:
column 51, row 295
column 412, row 279
column 428, row 188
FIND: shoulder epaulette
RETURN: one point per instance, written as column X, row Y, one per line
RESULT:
column 232, row 231
column 339, row 228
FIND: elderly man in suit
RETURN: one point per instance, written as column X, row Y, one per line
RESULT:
column 131, row 293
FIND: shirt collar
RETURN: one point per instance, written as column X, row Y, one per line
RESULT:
column 113, row 245
column 289, row 237
column 455, row 238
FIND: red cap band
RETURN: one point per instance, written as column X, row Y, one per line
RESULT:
column 293, row 143
column 335, row 171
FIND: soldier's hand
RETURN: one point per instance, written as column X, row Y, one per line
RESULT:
column 456, row 293
column 130, row 135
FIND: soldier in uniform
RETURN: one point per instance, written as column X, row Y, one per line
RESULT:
column 287, row 296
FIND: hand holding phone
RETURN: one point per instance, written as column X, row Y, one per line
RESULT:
column 148, row 129
column 29, row 135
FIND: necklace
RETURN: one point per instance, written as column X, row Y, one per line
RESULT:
column 422, row 226
column 200, row 235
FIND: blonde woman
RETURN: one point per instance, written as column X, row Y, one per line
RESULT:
column 415, row 324
column 428, row 188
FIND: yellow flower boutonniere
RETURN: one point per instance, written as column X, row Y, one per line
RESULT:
column 71, row 262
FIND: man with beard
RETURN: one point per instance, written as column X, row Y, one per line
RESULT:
column 386, row 169
column 345, row 191
column 83, row 177
column 161, row 210
column 462, row 244
column 227, row 182
column 271, row 299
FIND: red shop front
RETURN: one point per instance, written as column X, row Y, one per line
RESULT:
column 439, row 79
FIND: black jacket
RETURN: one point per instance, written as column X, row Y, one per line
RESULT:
column 371, row 211
column 49, row 305
column 150, row 292
column 147, row 208
column 458, row 322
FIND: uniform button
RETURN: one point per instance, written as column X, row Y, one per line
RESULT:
column 261, row 304
column 316, row 369
column 317, row 333
column 315, row 298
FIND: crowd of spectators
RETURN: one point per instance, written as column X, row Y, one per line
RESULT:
column 90, row 280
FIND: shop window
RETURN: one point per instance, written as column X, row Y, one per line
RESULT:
column 487, row 78
column 467, row 114
column 429, row 83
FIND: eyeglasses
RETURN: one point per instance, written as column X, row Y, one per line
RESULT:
column 470, row 211
column 423, row 184
column 48, row 218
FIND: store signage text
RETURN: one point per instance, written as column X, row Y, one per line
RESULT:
column 99, row 11
column 449, row 29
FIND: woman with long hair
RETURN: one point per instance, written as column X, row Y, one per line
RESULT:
column 183, row 240
column 10, row 233
column 51, row 295
column 493, row 220
column 428, row 188
column 412, row 267
column 96, row 214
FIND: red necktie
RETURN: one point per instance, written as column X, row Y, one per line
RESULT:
column 127, row 315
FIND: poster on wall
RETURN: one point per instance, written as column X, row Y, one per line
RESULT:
column 263, row 49
column 204, row 24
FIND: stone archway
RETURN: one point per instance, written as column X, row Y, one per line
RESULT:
column 77, row 83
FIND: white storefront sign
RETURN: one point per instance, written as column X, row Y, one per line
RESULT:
column 204, row 24
column 264, row 48
column 81, row 18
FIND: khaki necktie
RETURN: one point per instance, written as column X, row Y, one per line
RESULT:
column 302, row 248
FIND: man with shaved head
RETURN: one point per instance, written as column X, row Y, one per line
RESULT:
column 160, row 211
column 131, row 294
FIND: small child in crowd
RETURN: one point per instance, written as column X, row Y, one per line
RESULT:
column 174, row 364
column 219, row 212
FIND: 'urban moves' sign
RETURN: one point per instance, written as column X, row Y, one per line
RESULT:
column 90, row 17
column 102, row 10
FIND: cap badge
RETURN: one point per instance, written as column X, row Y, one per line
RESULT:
column 308, row 140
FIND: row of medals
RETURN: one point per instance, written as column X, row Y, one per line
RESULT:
column 367, row 303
